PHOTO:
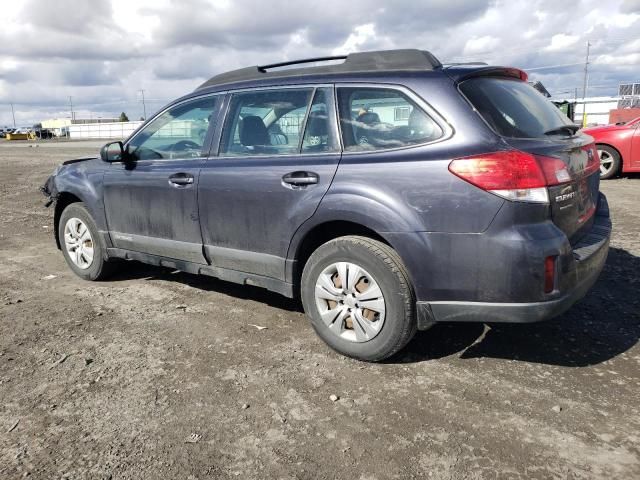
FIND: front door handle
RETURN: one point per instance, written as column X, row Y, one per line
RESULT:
column 181, row 179
column 300, row 179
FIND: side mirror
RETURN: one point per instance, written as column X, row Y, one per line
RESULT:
column 113, row 152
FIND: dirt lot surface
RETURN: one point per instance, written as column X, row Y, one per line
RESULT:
column 160, row 374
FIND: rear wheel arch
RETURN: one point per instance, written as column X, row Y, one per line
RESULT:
column 323, row 233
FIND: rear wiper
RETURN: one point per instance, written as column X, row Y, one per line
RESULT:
column 570, row 129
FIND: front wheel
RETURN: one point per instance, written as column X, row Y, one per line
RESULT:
column 609, row 161
column 81, row 244
column 358, row 296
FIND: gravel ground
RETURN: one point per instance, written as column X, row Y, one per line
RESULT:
column 161, row 374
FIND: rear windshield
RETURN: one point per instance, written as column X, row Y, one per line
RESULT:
column 513, row 108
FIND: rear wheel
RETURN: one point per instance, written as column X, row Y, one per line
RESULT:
column 81, row 244
column 609, row 161
column 358, row 295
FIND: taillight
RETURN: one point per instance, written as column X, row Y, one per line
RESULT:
column 512, row 174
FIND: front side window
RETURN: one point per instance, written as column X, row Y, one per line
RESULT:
column 380, row 118
column 177, row 133
column 267, row 122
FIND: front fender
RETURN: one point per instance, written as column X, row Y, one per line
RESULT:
column 85, row 183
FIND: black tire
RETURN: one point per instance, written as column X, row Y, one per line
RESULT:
column 615, row 161
column 384, row 264
column 99, row 268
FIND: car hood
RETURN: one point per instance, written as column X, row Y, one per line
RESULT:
column 604, row 128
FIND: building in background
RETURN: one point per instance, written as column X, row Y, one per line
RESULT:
column 598, row 109
column 604, row 110
column 60, row 126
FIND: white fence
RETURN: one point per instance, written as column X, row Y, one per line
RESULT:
column 103, row 130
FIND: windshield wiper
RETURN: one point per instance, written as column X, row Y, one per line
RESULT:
column 570, row 129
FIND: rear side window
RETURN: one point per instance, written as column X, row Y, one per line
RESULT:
column 380, row 118
column 267, row 122
column 513, row 108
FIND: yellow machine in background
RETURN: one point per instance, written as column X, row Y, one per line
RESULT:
column 21, row 136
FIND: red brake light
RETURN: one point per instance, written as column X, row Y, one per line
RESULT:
column 510, row 170
column 555, row 170
column 512, row 174
column 506, row 170
column 549, row 274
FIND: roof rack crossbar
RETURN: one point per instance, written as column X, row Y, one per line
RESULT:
column 264, row 68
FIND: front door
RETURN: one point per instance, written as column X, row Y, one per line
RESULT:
column 278, row 155
column 635, row 148
column 151, row 199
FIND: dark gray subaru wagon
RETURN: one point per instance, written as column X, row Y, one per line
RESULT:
column 388, row 192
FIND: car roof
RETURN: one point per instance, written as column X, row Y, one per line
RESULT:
column 354, row 64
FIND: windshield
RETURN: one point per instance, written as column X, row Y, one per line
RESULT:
column 513, row 108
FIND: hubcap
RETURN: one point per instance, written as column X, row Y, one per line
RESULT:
column 606, row 162
column 78, row 242
column 350, row 302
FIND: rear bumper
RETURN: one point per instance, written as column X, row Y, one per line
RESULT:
column 580, row 268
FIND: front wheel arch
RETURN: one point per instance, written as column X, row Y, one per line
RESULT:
column 63, row 201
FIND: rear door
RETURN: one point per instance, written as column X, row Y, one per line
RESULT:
column 278, row 153
column 151, row 199
column 529, row 122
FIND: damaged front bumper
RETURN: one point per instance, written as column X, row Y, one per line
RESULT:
column 49, row 190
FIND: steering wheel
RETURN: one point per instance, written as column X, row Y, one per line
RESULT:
column 185, row 145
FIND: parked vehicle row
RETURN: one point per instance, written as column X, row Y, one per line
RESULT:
column 38, row 132
column 389, row 192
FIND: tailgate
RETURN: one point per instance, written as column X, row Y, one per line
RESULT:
column 572, row 203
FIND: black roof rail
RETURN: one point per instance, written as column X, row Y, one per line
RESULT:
column 359, row 62
column 459, row 64
column 264, row 68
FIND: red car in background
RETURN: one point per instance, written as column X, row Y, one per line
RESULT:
column 618, row 146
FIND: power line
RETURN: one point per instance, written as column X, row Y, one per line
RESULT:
column 551, row 66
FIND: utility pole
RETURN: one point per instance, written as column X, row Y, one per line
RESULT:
column 71, row 107
column 144, row 107
column 13, row 114
column 584, row 87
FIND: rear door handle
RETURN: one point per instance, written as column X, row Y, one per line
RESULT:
column 300, row 179
column 181, row 179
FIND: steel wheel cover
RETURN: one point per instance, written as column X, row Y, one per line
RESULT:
column 350, row 302
column 78, row 243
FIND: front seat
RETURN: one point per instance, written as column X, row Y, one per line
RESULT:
column 253, row 133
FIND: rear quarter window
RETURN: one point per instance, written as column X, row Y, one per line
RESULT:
column 513, row 108
column 382, row 118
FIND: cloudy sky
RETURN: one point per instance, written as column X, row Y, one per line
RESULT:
column 103, row 52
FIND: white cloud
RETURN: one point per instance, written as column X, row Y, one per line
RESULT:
column 360, row 36
column 561, row 41
column 103, row 52
column 482, row 44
